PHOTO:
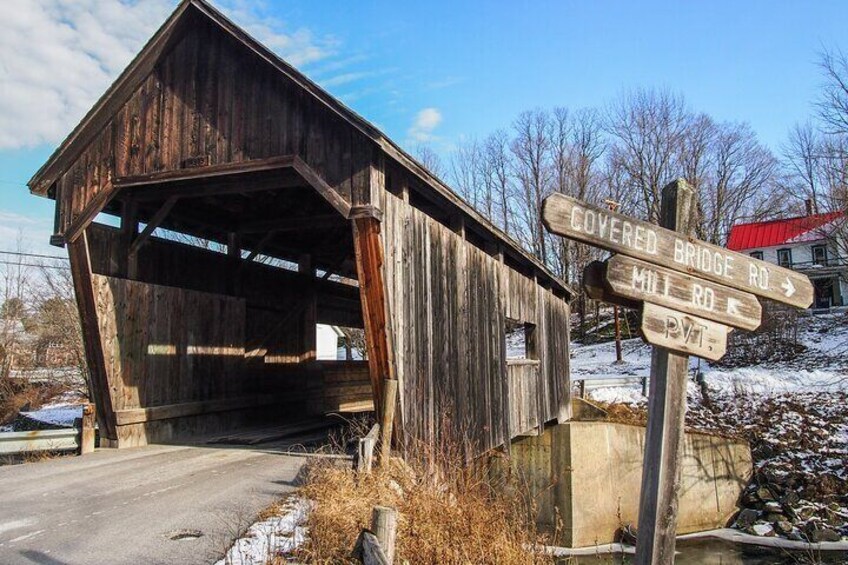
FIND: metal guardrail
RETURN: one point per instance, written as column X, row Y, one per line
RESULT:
column 39, row 440
column 585, row 385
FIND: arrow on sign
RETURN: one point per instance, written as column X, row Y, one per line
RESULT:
column 640, row 281
column 733, row 306
column 788, row 287
column 618, row 233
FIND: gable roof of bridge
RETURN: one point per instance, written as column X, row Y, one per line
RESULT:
column 121, row 90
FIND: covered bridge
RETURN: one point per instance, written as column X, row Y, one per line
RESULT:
column 251, row 205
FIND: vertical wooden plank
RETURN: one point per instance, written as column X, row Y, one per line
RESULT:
column 666, row 410
column 369, row 266
column 208, row 100
column 80, row 260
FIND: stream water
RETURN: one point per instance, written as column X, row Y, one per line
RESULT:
column 710, row 551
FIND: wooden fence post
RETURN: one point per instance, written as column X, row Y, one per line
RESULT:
column 367, row 549
column 666, row 410
column 388, row 412
column 87, row 430
column 384, row 526
column 365, row 452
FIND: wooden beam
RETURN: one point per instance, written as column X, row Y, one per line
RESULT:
column 206, row 173
column 457, row 225
column 217, row 186
column 495, row 249
column 369, row 266
column 234, row 256
column 293, row 224
column 304, row 265
column 80, row 260
column 154, row 223
column 335, row 268
column 258, row 248
column 94, row 207
column 234, row 245
column 129, row 231
column 140, row 415
column 328, row 192
column 366, row 211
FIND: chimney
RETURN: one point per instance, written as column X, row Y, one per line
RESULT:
column 809, row 204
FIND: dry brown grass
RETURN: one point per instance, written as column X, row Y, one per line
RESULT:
column 16, row 394
column 625, row 414
column 449, row 513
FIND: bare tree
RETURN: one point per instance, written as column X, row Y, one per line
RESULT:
column 816, row 157
column 647, row 127
column 577, row 150
column 833, row 102
column 429, row 158
column 498, row 166
column 531, row 148
column 693, row 157
column 466, row 175
column 805, row 175
column 58, row 320
column 738, row 184
column 15, row 278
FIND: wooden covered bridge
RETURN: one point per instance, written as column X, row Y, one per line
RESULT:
column 251, row 205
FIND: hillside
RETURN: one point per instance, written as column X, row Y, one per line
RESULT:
column 792, row 411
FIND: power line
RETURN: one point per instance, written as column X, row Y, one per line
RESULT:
column 13, row 264
column 20, row 254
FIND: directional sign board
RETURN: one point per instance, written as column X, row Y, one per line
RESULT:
column 615, row 232
column 638, row 280
column 683, row 333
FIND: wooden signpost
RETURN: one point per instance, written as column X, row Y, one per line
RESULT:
column 618, row 233
column 691, row 293
column 638, row 280
column 683, row 332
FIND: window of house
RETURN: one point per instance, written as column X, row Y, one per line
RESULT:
column 820, row 254
column 784, row 257
column 338, row 343
column 520, row 341
column 757, row 255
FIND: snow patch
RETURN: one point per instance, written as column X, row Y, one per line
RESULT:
column 276, row 536
column 57, row 415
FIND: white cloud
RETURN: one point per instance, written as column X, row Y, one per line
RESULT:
column 299, row 47
column 426, row 121
column 26, row 233
column 59, row 56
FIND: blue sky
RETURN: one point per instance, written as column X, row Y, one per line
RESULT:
column 427, row 71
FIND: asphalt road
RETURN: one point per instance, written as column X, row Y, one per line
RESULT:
column 114, row 507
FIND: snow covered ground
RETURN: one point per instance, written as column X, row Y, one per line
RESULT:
column 794, row 413
column 275, row 536
column 61, row 415
column 822, row 367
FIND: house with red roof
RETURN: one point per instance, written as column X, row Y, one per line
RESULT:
column 809, row 244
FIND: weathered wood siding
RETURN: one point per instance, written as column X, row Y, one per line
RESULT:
column 210, row 98
column 184, row 358
column 166, row 345
column 264, row 287
column 523, row 382
column 448, row 303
